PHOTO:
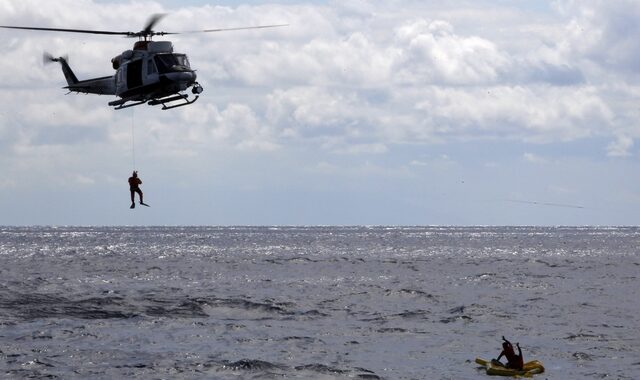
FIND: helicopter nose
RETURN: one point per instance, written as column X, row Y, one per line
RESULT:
column 182, row 76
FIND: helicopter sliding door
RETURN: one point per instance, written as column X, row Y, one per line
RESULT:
column 134, row 74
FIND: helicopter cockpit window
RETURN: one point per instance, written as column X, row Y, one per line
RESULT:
column 171, row 62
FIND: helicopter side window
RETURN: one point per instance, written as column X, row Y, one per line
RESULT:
column 167, row 62
column 151, row 67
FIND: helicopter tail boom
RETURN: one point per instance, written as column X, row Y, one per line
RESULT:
column 100, row 86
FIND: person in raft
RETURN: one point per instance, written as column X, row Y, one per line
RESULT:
column 134, row 187
column 513, row 361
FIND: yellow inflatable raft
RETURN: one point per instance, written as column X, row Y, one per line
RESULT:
column 530, row 368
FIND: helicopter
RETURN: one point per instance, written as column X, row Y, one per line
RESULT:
column 150, row 73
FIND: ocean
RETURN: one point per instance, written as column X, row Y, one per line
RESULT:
column 316, row 302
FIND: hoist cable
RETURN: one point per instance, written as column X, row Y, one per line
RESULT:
column 133, row 139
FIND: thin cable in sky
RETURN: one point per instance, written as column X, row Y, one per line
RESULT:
column 545, row 203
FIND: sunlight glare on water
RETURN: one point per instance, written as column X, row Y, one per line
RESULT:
column 316, row 302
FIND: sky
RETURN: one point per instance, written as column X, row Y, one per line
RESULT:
column 451, row 112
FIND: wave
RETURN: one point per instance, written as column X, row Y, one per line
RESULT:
column 38, row 305
column 263, row 368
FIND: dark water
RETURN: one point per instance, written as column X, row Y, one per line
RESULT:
column 316, row 302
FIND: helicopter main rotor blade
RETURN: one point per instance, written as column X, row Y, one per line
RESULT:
column 230, row 29
column 143, row 33
column 70, row 30
column 153, row 20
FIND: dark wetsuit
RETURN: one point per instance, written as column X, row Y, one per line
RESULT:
column 513, row 361
column 134, row 183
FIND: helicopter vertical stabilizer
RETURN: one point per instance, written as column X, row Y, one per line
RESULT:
column 66, row 69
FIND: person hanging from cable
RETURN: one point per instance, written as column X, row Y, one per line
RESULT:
column 134, row 187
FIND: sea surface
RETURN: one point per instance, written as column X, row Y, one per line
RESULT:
column 316, row 302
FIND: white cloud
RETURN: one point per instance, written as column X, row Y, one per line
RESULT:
column 441, row 161
column 7, row 183
column 310, row 108
column 439, row 82
column 430, row 52
column 83, row 180
column 603, row 32
column 620, row 147
column 534, row 158
column 363, row 149
column 355, row 77
column 533, row 113
column 239, row 123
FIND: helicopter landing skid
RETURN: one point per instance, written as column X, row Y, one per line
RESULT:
column 121, row 104
column 166, row 101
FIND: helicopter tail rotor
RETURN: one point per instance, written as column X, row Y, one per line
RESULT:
column 48, row 58
column 64, row 62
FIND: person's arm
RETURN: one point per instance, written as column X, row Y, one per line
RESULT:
column 501, row 355
column 520, row 358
